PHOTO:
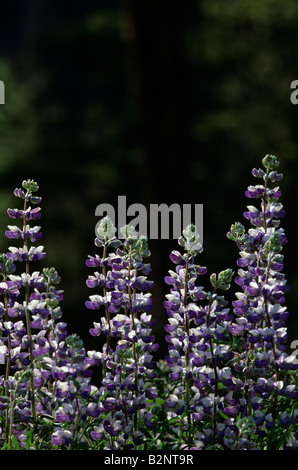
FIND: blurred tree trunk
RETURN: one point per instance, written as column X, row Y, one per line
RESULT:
column 156, row 34
column 159, row 79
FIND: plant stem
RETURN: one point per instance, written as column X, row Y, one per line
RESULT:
column 133, row 344
column 28, row 316
column 7, row 370
column 75, row 429
column 11, row 421
column 264, row 199
column 268, row 322
column 275, row 393
column 214, row 367
column 107, row 313
column 186, row 326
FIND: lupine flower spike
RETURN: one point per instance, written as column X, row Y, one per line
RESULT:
column 259, row 309
column 226, row 382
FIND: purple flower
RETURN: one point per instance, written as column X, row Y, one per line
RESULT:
column 259, row 308
column 61, row 437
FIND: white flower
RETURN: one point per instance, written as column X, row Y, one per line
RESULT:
column 191, row 237
column 128, row 231
column 3, row 351
column 105, row 229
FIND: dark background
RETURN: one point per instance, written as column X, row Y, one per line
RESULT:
column 156, row 100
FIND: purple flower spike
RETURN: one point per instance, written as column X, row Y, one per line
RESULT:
column 227, row 379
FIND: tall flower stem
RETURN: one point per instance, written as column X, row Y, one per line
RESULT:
column 259, row 309
column 133, row 344
column 213, row 365
column 264, row 198
column 275, row 393
column 7, row 370
column 28, row 319
column 268, row 322
column 107, row 313
column 11, row 421
column 186, row 326
column 76, row 424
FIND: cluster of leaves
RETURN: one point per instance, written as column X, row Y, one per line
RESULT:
column 227, row 381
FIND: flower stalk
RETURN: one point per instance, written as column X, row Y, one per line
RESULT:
column 226, row 382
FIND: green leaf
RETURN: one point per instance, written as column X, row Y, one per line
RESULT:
column 29, row 439
column 15, row 442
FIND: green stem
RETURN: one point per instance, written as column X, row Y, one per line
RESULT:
column 124, row 404
column 186, row 327
column 264, row 198
column 28, row 318
column 11, row 421
column 214, row 368
column 7, row 370
column 268, row 323
column 76, row 425
column 107, row 313
column 136, row 415
column 275, row 393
